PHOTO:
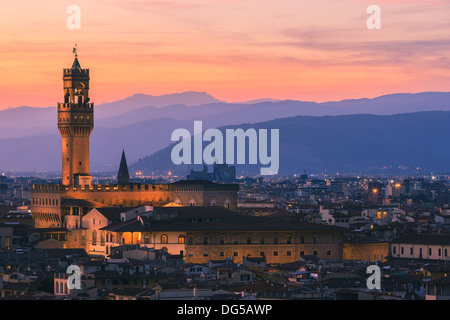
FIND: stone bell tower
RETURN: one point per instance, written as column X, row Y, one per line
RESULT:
column 75, row 123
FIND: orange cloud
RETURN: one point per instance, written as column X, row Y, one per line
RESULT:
column 236, row 50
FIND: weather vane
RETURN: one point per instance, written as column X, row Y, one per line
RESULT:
column 75, row 52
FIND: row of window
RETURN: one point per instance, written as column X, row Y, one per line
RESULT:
column 130, row 203
column 164, row 239
column 275, row 240
column 275, row 253
column 261, row 240
column 45, row 202
column 411, row 251
column 61, row 287
column 75, row 118
column 212, row 203
column 55, row 202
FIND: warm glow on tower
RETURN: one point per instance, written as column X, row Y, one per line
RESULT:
column 75, row 123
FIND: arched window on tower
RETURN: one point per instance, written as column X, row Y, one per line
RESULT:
column 164, row 239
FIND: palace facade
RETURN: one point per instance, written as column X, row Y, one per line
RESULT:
column 56, row 206
column 201, row 234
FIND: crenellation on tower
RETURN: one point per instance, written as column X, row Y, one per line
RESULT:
column 75, row 123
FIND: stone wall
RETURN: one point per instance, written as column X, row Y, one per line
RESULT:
column 366, row 251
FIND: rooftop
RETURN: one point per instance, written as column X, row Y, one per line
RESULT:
column 433, row 239
column 218, row 219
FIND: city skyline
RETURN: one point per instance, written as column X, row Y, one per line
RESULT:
column 225, row 151
column 234, row 50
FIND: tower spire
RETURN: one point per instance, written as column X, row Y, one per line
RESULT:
column 123, row 177
column 76, row 64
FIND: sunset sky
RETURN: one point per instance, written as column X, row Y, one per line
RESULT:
column 236, row 50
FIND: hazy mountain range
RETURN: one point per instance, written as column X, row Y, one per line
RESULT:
column 345, row 143
column 312, row 135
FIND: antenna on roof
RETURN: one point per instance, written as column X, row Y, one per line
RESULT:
column 75, row 50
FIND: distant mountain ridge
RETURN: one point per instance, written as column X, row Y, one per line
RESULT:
column 29, row 121
column 136, row 101
column 348, row 142
column 143, row 131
